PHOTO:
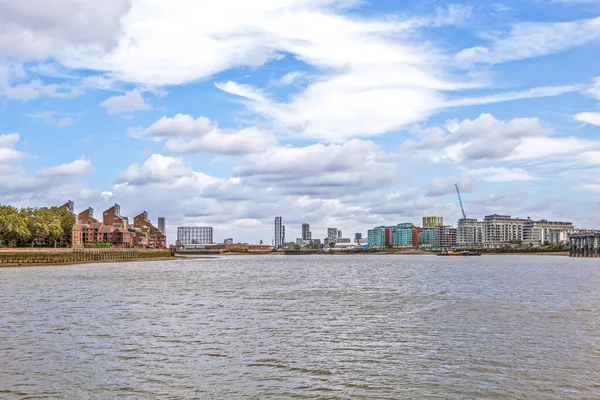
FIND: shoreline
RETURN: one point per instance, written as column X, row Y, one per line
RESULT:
column 76, row 263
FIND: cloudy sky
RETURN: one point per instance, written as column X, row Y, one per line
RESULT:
column 340, row 113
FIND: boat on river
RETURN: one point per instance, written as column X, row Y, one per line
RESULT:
column 458, row 253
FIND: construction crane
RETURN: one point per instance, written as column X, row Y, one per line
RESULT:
column 461, row 203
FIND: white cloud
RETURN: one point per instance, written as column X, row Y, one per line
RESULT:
column 592, row 118
column 484, row 138
column 65, row 122
column 8, row 154
column 181, row 125
column 501, row 174
column 250, row 140
column 128, row 103
column 590, row 188
column 188, row 135
column 291, row 77
column 330, row 171
column 156, row 169
column 534, row 39
column 39, row 30
column 73, row 169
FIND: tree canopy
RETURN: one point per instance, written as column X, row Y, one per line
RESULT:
column 27, row 224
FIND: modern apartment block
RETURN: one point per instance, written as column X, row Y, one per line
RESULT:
column 339, row 234
column 469, row 232
column 426, row 237
column 445, row 236
column 279, row 232
column 332, row 235
column 498, row 230
column 306, row 234
column 161, row 225
column 538, row 233
column 432, row 222
column 402, row 235
column 187, row 235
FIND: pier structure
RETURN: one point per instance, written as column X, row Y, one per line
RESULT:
column 584, row 245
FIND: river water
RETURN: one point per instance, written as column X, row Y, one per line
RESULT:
column 331, row 327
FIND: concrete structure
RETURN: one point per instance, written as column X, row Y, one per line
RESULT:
column 194, row 235
column 161, row 226
column 469, row 233
column 584, row 244
column 432, row 222
column 332, row 235
column 306, row 234
column 279, row 239
column 339, row 234
column 445, row 236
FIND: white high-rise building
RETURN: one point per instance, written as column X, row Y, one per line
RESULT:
column 279, row 232
column 469, row 232
column 187, row 235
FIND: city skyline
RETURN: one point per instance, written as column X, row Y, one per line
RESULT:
column 339, row 113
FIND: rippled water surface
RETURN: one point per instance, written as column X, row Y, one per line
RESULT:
column 376, row 327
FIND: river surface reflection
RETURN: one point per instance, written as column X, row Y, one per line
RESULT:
column 339, row 327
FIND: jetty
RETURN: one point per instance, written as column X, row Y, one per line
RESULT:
column 584, row 245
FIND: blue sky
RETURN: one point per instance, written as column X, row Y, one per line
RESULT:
column 339, row 113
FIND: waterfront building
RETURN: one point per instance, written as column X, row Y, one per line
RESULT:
column 87, row 216
column 379, row 237
column 499, row 230
column 112, row 217
column 445, row 236
column 432, row 222
column 146, row 234
column 69, row 206
column 357, row 236
column 402, row 236
column 332, row 235
column 469, row 232
column 279, row 232
column 426, row 237
column 339, row 234
column 306, row 234
column 187, row 235
column 161, row 225
column 538, row 233
column 344, row 240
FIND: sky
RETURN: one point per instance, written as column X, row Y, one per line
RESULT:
column 340, row 113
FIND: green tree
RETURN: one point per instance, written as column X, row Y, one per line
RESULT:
column 13, row 225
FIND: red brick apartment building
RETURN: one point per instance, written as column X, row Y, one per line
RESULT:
column 115, row 231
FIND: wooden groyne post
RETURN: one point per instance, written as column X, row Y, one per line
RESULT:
column 584, row 245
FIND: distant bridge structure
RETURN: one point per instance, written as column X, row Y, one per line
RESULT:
column 584, row 245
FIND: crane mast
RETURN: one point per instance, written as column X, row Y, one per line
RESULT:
column 460, row 202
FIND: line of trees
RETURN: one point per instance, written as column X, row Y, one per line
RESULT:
column 25, row 225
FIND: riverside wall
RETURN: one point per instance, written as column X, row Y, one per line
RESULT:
column 22, row 256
